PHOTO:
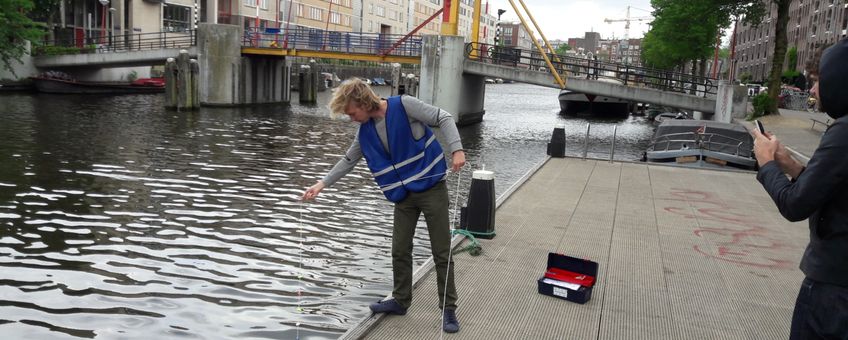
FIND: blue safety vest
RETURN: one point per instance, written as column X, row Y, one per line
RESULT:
column 411, row 165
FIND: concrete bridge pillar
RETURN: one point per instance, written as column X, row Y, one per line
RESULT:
column 264, row 80
column 731, row 102
column 228, row 78
column 219, row 53
column 442, row 82
column 473, row 96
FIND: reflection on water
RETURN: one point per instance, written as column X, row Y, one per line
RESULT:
column 121, row 220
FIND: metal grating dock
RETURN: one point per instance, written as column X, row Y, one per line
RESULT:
column 683, row 254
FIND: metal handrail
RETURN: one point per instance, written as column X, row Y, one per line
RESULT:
column 701, row 143
column 586, row 142
column 592, row 69
column 303, row 38
column 121, row 42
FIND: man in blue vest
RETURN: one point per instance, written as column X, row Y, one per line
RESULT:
column 411, row 173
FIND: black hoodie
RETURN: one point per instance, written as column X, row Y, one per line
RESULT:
column 833, row 80
column 820, row 193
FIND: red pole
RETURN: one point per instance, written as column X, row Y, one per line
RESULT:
column 326, row 28
column 288, row 19
column 411, row 33
column 277, row 21
column 103, row 25
column 732, row 71
column 715, row 57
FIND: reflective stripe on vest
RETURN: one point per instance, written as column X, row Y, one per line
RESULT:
column 410, row 165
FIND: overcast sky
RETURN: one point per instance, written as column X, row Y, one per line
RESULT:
column 563, row 19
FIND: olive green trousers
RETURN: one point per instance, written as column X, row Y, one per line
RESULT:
column 434, row 203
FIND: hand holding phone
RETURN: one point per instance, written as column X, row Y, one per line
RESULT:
column 760, row 127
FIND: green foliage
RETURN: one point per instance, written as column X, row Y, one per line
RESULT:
column 788, row 75
column 56, row 50
column 792, row 58
column 761, row 104
column 686, row 30
column 15, row 29
column 132, row 76
column 562, row 49
column 44, row 10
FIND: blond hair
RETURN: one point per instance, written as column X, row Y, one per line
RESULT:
column 356, row 91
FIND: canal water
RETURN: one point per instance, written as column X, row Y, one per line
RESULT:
column 121, row 220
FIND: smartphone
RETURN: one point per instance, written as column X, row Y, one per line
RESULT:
column 760, row 126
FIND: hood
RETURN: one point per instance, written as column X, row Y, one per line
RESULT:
column 833, row 80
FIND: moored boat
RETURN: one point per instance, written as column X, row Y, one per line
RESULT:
column 702, row 144
column 576, row 103
column 70, row 86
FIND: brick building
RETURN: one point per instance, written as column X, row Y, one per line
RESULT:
column 811, row 23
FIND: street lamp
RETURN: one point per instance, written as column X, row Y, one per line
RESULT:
column 103, row 18
column 498, row 29
column 112, row 11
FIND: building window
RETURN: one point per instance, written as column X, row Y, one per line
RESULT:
column 176, row 18
column 335, row 18
column 316, row 13
column 300, row 10
column 380, row 11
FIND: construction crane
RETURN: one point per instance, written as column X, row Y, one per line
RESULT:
column 627, row 21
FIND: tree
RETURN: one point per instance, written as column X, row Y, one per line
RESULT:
column 780, row 44
column 46, row 11
column 15, row 29
column 745, row 77
column 562, row 48
column 686, row 30
column 683, row 31
column 679, row 29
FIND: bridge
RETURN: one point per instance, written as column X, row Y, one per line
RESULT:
column 628, row 82
column 452, row 74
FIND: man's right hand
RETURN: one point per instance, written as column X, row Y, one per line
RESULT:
column 313, row 191
column 788, row 164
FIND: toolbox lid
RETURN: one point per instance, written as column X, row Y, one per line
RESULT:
column 573, row 264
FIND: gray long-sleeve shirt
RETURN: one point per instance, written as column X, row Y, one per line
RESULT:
column 419, row 113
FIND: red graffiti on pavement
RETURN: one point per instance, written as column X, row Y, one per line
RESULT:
column 737, row 238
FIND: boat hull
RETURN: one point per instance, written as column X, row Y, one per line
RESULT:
column 575, row 103
column 58, row 86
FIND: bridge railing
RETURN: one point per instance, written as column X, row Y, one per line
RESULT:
column 313, row 39
column 120, row 42
column 592, row 69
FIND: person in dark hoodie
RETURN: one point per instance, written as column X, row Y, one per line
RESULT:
column 819, row 193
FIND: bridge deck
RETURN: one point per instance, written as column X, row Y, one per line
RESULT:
column 683, row 254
